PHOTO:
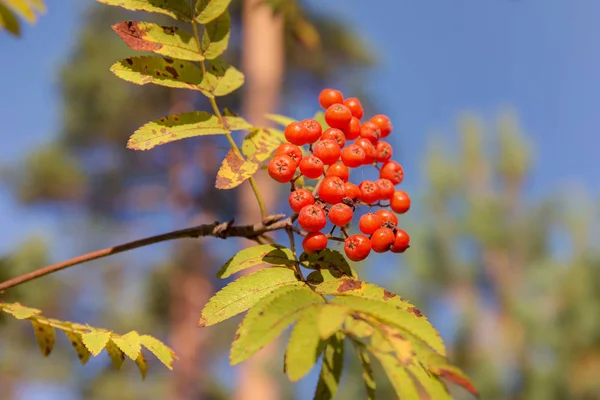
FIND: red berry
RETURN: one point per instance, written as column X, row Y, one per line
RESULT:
column 314, row 242
column 334, row 134
column 327, row 151
column 369, row 192
column 353, row 156
column 332, row 190
column 300, row 198
column 384, row 124
column 386, row 216
column 311, row 167
column 352, row 131
column 370, row 131
column 369, row 223
column 400, row 202
column 295, row 133
column 290, row 150
column 340, row 170
column 384, row 152
column 327, row 97
column 357, row 247
column 386, row 189
column 352, row 191
column 355, row 107
column 393, row 171
column 282, row 168
column 312, row 130
column 338, row 116
column 312, row 218
column 382, row 239
column 369, row 149
column 340, row 214
column 401, row 242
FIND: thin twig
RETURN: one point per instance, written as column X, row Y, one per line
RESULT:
column 290, row 233
column 221, row 230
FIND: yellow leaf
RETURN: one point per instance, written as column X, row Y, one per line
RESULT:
column 95, row 341
column 44, row 334
column 82, row 352
column 20, row 312
column 159, row 349
column 129, row 344
column 260, row 144
column 234, row 171
column 116, row 355
column 140, row 361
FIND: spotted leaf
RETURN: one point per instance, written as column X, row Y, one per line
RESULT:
column 234, row 171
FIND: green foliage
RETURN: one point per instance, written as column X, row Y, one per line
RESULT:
column 88, row 341
column 273, row 254
column 12, row 10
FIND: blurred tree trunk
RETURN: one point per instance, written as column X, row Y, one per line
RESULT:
column 263, row 60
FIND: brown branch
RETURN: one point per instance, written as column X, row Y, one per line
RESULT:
column 220, row 230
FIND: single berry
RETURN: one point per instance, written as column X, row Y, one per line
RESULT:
column 357, row 247
column 312, row 130
column 369, row 149
column 382, row 239
column 335, row 134
column 384, row 124
column 282, row 168
column 338, row 116
column 311, row 167
column 353, row 156
column 369, row 223
column 327, row 151
column 401, row 242
column 352, row 131
column 340, row 170
column 314, row 242
column 369, row 192
column 340, row 214
column 370, row 131
column 352, row 191
column 386, row 189
column 355, row 107
column 300, row 198
column 332, row 190
column 384, row 152
column 312, row 218
column 393, row 171
column 290, row 150
column 328, row 97
column 400, row 202
column 295, row 133
column 387, row 217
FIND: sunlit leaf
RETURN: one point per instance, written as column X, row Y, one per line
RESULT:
column 168, row 41
column 175, row 127
column 129, row 344
column 208, row 10
column 234, row 171
column 45, row 336
column 168, row 72
column 329, row 259
column 95, row 340
column 330, row 319
column 220, row 79
column 358, row 328
column 269, row 317
column 260, row 144
column 320, row 118
column 305, row 346
column 273, row 254
column 430, row 383
column 216, row 36
column 331, row 368
column 439, row 366
column 159, row 349
column 178, row 9
column 244, row 293
column 83, row 354
column 401, row 382
column 18, row 311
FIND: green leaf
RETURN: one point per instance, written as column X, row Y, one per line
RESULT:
column 159, row 349
column 269, row 317
column 44, row 335
column 83, row 354
column 331, row 368
column 329, row 259
column 161, row 71
column 208, row 10
column 244, row 293
column 353, row 287
column 439, row 366
column 235, row 123
column 304, row 347
column 234, row 171
column 330, row 320
column 401, row 382
column 432, row 385
column 220, row 79
column 95, row 340
column 273, row 254
column 168, row 41
column 260, row 144
column 178, row 9
column 9, row 21
column 175, row 127
column 129, row 344
column 320, row 118
column 395, row 316
column 280, row 119
column 216, row 36
column 367, row 369
column 358, row 328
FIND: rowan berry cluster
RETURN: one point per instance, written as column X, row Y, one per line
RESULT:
column 348, row 143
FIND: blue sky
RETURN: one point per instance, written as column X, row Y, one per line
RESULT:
column 438, row 59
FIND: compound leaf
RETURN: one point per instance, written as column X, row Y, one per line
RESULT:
column 273, row 254
column 330, row 319
column 159, row 349
column 168, row 72
column 208, row 10
column 216, row 36
column 220, row 79
column 305, row 346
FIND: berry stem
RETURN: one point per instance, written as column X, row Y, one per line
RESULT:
column 215, row 107
column 344, row 232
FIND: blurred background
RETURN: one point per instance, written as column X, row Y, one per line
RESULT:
column 494, row 106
